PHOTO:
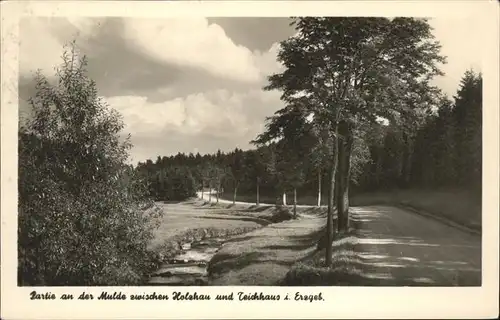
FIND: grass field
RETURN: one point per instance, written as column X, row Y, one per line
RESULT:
column 194, row 220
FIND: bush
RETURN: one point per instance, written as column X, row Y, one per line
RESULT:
column 81, row 207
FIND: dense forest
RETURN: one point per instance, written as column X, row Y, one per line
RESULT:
column 442, row 149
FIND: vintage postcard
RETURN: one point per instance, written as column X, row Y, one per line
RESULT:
column 267, row 159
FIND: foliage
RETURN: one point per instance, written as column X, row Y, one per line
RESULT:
column 347, row 73
column 168, row 182
column 81, row 217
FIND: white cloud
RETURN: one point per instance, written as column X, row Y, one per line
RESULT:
column 196, row 43
column 218, row 114
column 267, row 62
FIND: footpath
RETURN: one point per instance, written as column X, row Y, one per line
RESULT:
column 265, row 255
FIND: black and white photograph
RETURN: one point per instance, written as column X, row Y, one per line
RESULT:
column 271, row 151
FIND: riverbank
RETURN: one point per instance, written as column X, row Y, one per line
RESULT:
column 191, row 232
column 264, row 256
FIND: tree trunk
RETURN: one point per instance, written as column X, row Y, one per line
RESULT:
column 202, row 186
column 234, row 195
column 339, row 194
column 217, row 192
column 319, row 187
column 295, row 203
column 337, row 182
column 258, row 201
column 284, row 198
column 331, row 194
column 345, row 149
column 209, row 192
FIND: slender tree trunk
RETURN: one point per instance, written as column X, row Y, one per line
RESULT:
column 284, row 198
column 217, row 192
column 345, row 149
column 202, row 186
column 295, row 203
column 337, row 184
column 258, row 200
column 338, row 180
column 209, row 192
column 319, row 187
column 234, row 195
column 331, row 194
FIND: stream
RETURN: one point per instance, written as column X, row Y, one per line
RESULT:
column 189, row 267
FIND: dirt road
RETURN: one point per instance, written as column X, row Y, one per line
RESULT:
column 400, row 247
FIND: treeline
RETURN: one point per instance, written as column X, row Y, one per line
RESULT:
column 441, row 149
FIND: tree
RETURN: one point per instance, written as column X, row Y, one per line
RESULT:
column 81, row 217
column 203, row 170
column 237, row 169
column 320, row 152
column 178, row 184
column 295, row 139
column 273, row 165
column 468, row 117
column 217, row 174
column 352, row 71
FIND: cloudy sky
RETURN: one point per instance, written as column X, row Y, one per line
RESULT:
column 193, row 84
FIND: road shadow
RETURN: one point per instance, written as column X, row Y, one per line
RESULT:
column 400, row 257
column 381, row 256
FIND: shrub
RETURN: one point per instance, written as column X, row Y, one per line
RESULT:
column 81, row 207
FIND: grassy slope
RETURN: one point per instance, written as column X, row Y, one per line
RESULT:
column 264, row 256
column 343, row 270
